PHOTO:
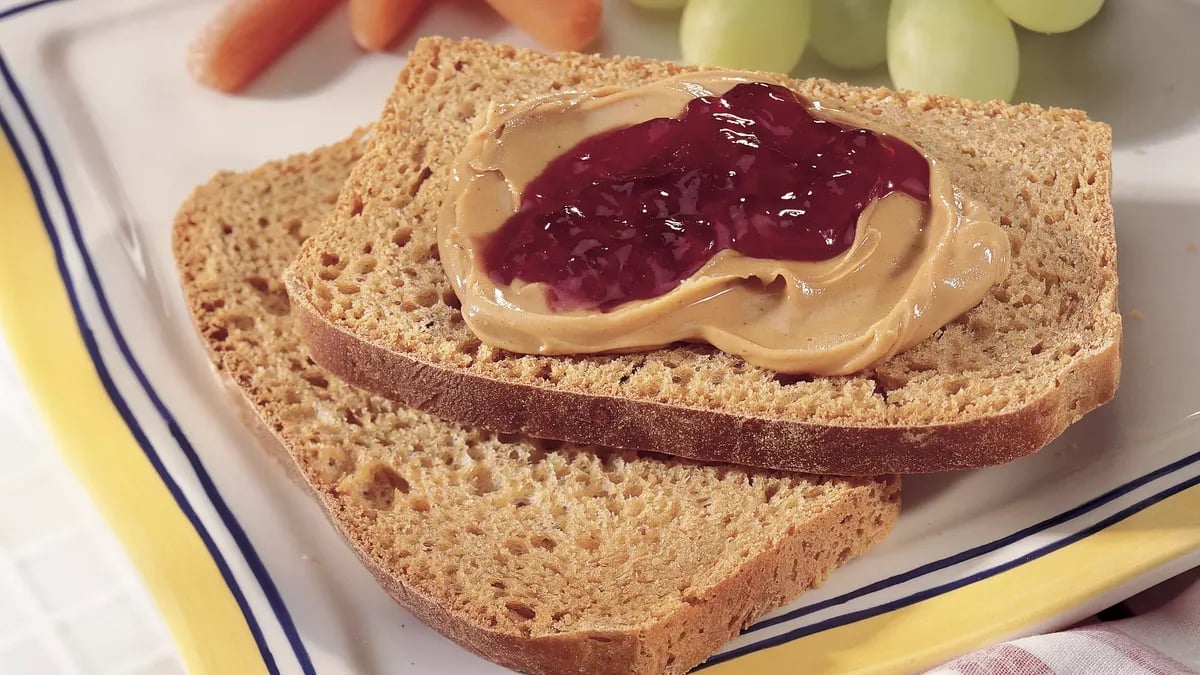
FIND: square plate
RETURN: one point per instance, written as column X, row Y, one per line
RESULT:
column 106, row 134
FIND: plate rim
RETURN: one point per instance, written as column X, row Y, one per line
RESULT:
column 42, row 325
column 192, row 620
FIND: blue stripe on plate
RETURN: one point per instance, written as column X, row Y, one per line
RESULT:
column 962, row 556
column 21, row 9
column 958, row 583
column 210, row 490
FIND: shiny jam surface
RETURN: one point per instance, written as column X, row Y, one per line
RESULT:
column 630, row 213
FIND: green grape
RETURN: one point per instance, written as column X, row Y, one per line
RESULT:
column 659, row 4
column 748, row 34
column 1050, row 16
column 850, row 33
column 962, row 48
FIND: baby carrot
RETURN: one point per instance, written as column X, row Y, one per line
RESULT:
column 558, row 24
column 247, row 35
column 377, row 23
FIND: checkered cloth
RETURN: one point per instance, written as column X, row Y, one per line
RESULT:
column 1157, row 632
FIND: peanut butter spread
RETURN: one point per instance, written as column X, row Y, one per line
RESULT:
column 912, row 268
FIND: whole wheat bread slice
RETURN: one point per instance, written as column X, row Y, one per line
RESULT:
column 1042, row 349
column 543, row 557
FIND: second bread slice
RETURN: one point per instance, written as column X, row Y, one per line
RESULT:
column 544, row 557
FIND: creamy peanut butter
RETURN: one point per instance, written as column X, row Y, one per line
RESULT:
column 912, row 268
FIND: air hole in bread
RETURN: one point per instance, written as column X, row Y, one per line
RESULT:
column 426, row 172
column 226, row 228
column 814, row 492
column 536, row 456
column 259, row 284
column 402, row 236
column 788, row 379
column 316, row 380
column 294, row 229
column 450, row 300
column 632, row 371
column 880, row 388
column 981, row 327
column 545, row 372
column 521, row 610
column 544, row 543
column 356, row 205
column 482, row 481
column 329, row 259
column 770, row 492
column 426, row 297
column 366, row 264
column 381, row 485
column 844, row 555
column 610, row 461
column 219, row 335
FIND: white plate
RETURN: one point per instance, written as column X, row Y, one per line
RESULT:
column 113, row 134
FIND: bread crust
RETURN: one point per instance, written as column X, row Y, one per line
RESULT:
column 706, row 435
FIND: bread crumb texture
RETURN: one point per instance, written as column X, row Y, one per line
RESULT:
column 1043, row 174
column 543, row 556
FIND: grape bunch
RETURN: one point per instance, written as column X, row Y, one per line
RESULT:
column 962, row 48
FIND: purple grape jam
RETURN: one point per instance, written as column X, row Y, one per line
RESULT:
column 630, row 213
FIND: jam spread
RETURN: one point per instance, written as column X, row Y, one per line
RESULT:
column 630, row 213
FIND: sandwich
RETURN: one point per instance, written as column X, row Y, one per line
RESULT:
column 1031, row 354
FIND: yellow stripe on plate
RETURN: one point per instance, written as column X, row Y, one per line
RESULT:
column 927, row 633
column 200, row 610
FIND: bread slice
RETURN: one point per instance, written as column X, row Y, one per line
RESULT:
column 543, row 557
column 1042, row 349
